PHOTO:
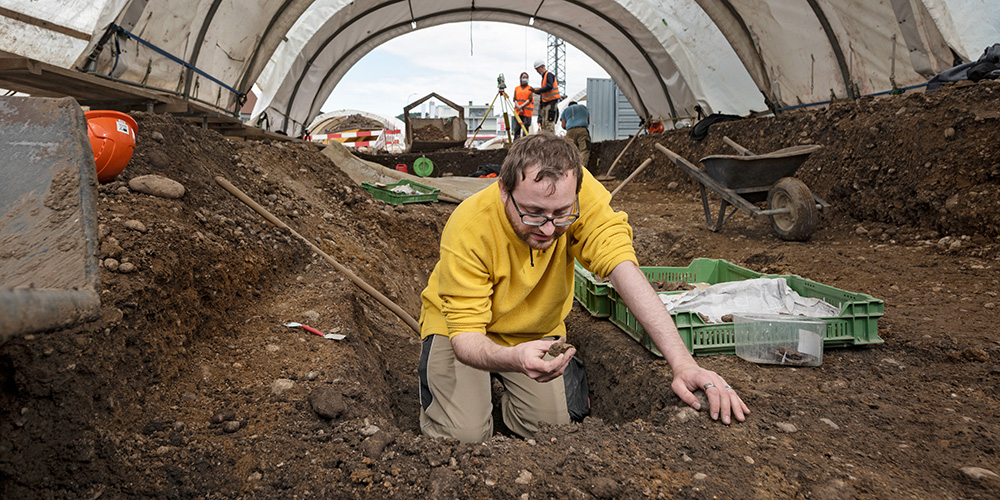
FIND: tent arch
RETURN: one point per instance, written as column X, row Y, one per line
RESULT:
column 281, row 21
column 645, row 47
column 443, row 18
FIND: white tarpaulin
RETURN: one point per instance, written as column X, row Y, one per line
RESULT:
column 53, row 32
column 760, row 295
column 728, row 56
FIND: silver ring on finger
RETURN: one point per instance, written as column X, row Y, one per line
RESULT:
column 729, row 387
column 708, row 386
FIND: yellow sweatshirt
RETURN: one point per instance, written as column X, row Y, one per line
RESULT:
column 489, row 281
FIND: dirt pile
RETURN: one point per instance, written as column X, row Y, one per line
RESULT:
column 195, row 272
column 454, row 161
column 352, row 122
column 190, row 386
column 430, row 133
column 920, row 166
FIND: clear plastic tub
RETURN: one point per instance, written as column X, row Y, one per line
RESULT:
column 779, row 339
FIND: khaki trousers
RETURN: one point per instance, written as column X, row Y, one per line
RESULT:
column 544, row 115
column 581, row 137
column 456, row 402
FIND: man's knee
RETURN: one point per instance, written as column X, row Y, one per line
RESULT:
column 454, row 398
column 527, row 403
column 466, row 434
column 555, row 415
column 526, row 421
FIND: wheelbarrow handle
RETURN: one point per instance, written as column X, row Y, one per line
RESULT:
column 739, row 149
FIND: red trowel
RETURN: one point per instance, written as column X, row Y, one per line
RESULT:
column 331, row 336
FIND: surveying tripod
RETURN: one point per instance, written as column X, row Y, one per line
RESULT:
column 505, row 105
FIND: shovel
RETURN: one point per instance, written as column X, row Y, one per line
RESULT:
column 636, row 172
column 607, row 175
column 331, row 336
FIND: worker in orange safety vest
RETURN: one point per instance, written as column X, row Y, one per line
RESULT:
column 524, row 104
column 548, row 110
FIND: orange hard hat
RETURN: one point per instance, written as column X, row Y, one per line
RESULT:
column 112, row 138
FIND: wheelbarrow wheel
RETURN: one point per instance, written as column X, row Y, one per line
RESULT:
column 800, row 221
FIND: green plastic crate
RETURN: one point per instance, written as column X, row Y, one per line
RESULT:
column 591, row 293
column 594, row 296
column 427, row 193
column 856, row 324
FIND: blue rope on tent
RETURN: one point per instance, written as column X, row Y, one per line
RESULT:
column 123, row 31
column 893, row 91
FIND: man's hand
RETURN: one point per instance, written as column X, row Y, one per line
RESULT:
column 533, row 364
column 632, row 285
column 477, row 351
column 722, row 398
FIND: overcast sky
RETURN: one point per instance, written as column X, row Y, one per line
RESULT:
column 459, row 61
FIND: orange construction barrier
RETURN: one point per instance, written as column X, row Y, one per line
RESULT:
column 112, row 137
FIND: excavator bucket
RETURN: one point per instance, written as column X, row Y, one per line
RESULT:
column 49, row 276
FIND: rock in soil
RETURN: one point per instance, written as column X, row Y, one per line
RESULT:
column 157, row 185
column 223, row 416
column 374, row 445
column 327, row 402
column 279, row 386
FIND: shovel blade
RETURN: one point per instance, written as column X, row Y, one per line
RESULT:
column 49, row 275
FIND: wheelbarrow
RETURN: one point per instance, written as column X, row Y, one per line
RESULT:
column 744, row 180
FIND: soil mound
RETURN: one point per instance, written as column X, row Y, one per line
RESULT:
column 352, row 122
column 454, row 161
column 925, row 164
column 430, row 133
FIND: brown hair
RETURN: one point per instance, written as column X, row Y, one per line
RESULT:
column 555, row 156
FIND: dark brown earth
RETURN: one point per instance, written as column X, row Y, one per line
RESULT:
column 431, row 133
column 124, row 408
column 455, row 161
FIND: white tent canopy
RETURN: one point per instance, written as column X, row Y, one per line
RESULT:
column 730, row 56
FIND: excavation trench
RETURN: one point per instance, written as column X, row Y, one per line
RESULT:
column 124, row 408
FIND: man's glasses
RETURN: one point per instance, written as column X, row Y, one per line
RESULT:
column 540, row 220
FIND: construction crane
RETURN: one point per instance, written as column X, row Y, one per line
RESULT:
column 557, row 59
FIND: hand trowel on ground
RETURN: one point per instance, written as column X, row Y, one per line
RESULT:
column 331, row 336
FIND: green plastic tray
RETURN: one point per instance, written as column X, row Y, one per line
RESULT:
column 427, row 193
column 855, row 325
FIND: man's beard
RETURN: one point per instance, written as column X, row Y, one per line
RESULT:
column 525, row 236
